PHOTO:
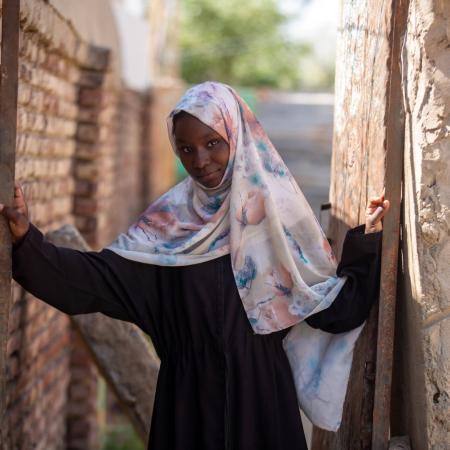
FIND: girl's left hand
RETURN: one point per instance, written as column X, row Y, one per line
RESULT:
column 376, row 209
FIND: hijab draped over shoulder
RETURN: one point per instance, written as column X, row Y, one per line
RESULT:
column 283, row 265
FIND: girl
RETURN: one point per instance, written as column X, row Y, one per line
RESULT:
column 233, row 279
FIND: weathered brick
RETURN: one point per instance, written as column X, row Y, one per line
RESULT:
column 62, row 206
column 86, row 206
column 12, row 367
column 85, row 188
column 33, row 308
column 89, row 115
column 91, row 78
column 86, row 171
column 57, row 126
column 97, row 58
column 14, row 415
column 24, row 94
column 90, row 97
column 88, row 151
column 88, row 132
column 14, row 342
column 15, row 316
column 30, row 121
column 106, row 188
column 62, row 147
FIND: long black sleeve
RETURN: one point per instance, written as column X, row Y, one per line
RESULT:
column 78, row 282
column 360, row 262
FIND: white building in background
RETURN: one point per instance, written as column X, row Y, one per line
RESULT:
column 148, row 33
column 134, row 34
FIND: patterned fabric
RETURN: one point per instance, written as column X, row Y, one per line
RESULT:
column 283, row 265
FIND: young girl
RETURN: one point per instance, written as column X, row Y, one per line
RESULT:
column 233, row 279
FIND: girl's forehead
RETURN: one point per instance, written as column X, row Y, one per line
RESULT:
column 209, row 116
column 187, row 126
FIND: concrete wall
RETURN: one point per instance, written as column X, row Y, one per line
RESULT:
column 424, row 317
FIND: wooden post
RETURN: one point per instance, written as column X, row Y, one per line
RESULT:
column 368, row 130
column 8, row 121
column 395, row 132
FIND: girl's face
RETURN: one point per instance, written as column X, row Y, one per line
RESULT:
column 203, row 152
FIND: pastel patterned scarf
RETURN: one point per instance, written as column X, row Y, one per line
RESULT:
column 283, row 265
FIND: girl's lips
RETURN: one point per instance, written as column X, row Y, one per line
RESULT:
column 209, row 176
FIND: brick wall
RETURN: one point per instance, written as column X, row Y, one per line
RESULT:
column 94, row 168
column 81, row 412
column 133, row 138
column 108, row 158
column 84, row 156
column 160, row 160
column 38, row 348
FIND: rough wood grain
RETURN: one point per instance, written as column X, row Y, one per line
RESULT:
column 358, row 172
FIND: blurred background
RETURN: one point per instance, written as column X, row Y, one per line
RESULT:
column 279, row 54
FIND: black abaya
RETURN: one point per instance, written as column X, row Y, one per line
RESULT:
column 220, row 386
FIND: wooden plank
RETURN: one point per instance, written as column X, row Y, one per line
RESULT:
column 359, row 123
column 8, row 121
column 358, row 172
column 395, row 121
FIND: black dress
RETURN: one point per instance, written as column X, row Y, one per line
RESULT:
column 220, row 386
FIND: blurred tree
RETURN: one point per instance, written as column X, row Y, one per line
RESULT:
column 237, row 42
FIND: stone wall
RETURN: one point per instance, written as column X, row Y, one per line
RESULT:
column 81, row 145
column 423, row 352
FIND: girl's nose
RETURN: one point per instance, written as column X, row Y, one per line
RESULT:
column 201, row 158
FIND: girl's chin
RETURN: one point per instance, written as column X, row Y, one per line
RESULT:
column 212, row 180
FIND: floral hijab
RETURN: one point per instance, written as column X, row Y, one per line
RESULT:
column 283, row 266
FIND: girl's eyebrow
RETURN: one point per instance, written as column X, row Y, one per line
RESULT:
column 209, row 135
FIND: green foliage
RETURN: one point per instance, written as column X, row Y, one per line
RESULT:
column 122, row 437
column 237, row 42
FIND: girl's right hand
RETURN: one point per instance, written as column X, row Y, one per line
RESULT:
column 17, row 214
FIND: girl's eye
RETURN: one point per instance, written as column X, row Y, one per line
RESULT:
column 213, row 142
column 185, row 149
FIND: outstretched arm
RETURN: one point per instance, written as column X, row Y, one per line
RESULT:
column 73, row 281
